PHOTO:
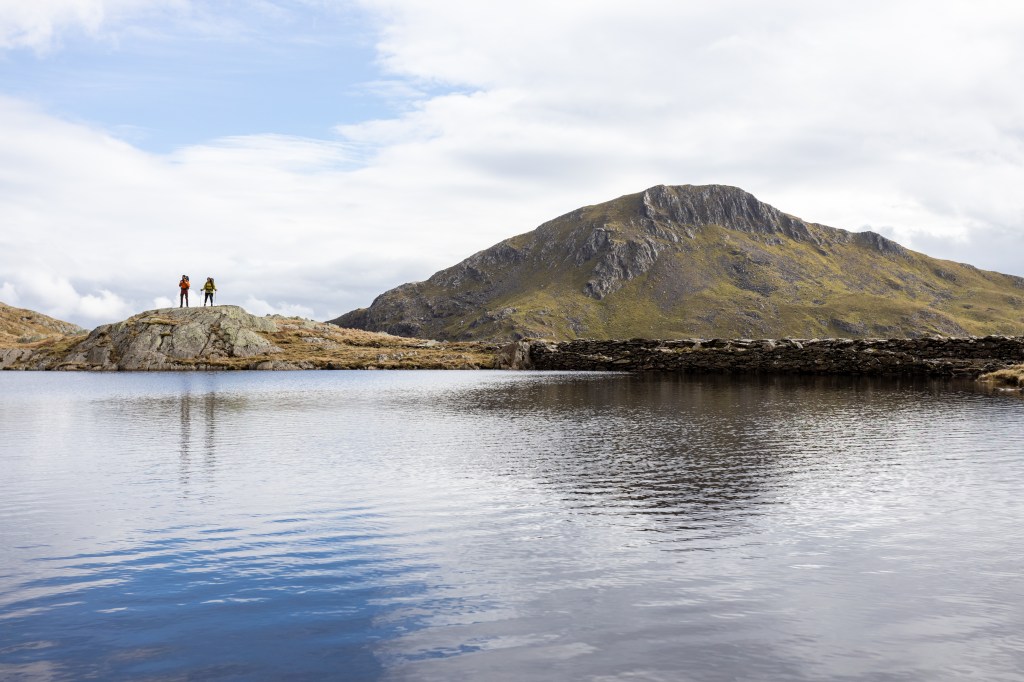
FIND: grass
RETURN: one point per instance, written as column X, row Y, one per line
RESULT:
column 156, row 319
column 1010, row 376
column 349, row 348
column 21, row 328
column 305, row 345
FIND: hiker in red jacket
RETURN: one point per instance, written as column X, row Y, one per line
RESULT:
column 183, row 285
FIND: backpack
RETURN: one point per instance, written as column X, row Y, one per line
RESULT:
column 184, row 283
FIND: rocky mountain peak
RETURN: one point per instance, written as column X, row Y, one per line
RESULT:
column 732, row 207
column 694, row 260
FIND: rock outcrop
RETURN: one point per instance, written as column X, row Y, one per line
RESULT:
column 712, row 261
column 162, row 339
column 227, row 337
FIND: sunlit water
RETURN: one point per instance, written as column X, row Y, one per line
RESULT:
column 507, row 526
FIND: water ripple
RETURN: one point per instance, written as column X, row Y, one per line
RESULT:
column 441, row 526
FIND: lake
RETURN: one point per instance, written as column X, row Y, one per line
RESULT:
column 508, row 526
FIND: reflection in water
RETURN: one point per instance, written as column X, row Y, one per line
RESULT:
column 210, row 412
column 206, row 424
column 186, row 439
column 440, row 526
column 663, row 446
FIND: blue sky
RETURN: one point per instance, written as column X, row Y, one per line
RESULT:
column 169, row 85
column 312, row 153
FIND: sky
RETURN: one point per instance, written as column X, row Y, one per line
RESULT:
column 311, row 154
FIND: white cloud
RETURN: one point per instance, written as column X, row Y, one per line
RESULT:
column 895, row 115
column 9, row 294
column 57, row 296
column 39, row 24
column 902, row 117
column 258, row 306
column 102, row 305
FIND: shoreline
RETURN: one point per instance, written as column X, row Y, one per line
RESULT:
column 996, row 358
column 224, row 338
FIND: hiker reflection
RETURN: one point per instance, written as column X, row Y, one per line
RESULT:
column 197, row 436
column 210, row 442
column 185, row 445
column 208, row 290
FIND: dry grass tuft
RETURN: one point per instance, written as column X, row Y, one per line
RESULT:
column 156, row 319
column 331, row 346
column 1011, row 376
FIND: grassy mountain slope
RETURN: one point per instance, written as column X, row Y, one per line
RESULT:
column 706, row 261
column 21, row 326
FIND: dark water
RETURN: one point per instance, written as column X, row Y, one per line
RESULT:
column 507, row 526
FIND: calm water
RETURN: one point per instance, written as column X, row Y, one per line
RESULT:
column 507, row 526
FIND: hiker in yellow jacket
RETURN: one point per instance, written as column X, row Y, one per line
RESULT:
column 208, row 290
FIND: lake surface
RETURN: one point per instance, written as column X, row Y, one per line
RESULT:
column 508, row 526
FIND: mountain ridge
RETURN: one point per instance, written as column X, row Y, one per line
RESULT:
column 695, row 261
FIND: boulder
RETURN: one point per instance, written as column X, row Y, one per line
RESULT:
column 170, row 337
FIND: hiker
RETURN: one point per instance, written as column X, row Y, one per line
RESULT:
column 183, row 285
column 208, row 290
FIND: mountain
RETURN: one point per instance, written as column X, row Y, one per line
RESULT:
column 21, row 326
column 696, row 261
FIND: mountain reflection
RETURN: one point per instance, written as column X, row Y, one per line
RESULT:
column 684, row 449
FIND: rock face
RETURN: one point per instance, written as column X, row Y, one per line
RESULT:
column 160, row 339
column 711, row 261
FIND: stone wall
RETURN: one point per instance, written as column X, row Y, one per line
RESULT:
column 930, row 356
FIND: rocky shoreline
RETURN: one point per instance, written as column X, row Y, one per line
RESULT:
column 968, row 357
column 227, row 337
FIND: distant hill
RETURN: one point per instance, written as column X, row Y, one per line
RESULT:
column 20, row 326
column 696, row 261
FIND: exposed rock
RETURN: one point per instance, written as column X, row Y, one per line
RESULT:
column 163, row 339
column 620, row 263
column 720, row 205
column 9, row 357
column 879, row 243
column 515, row 355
